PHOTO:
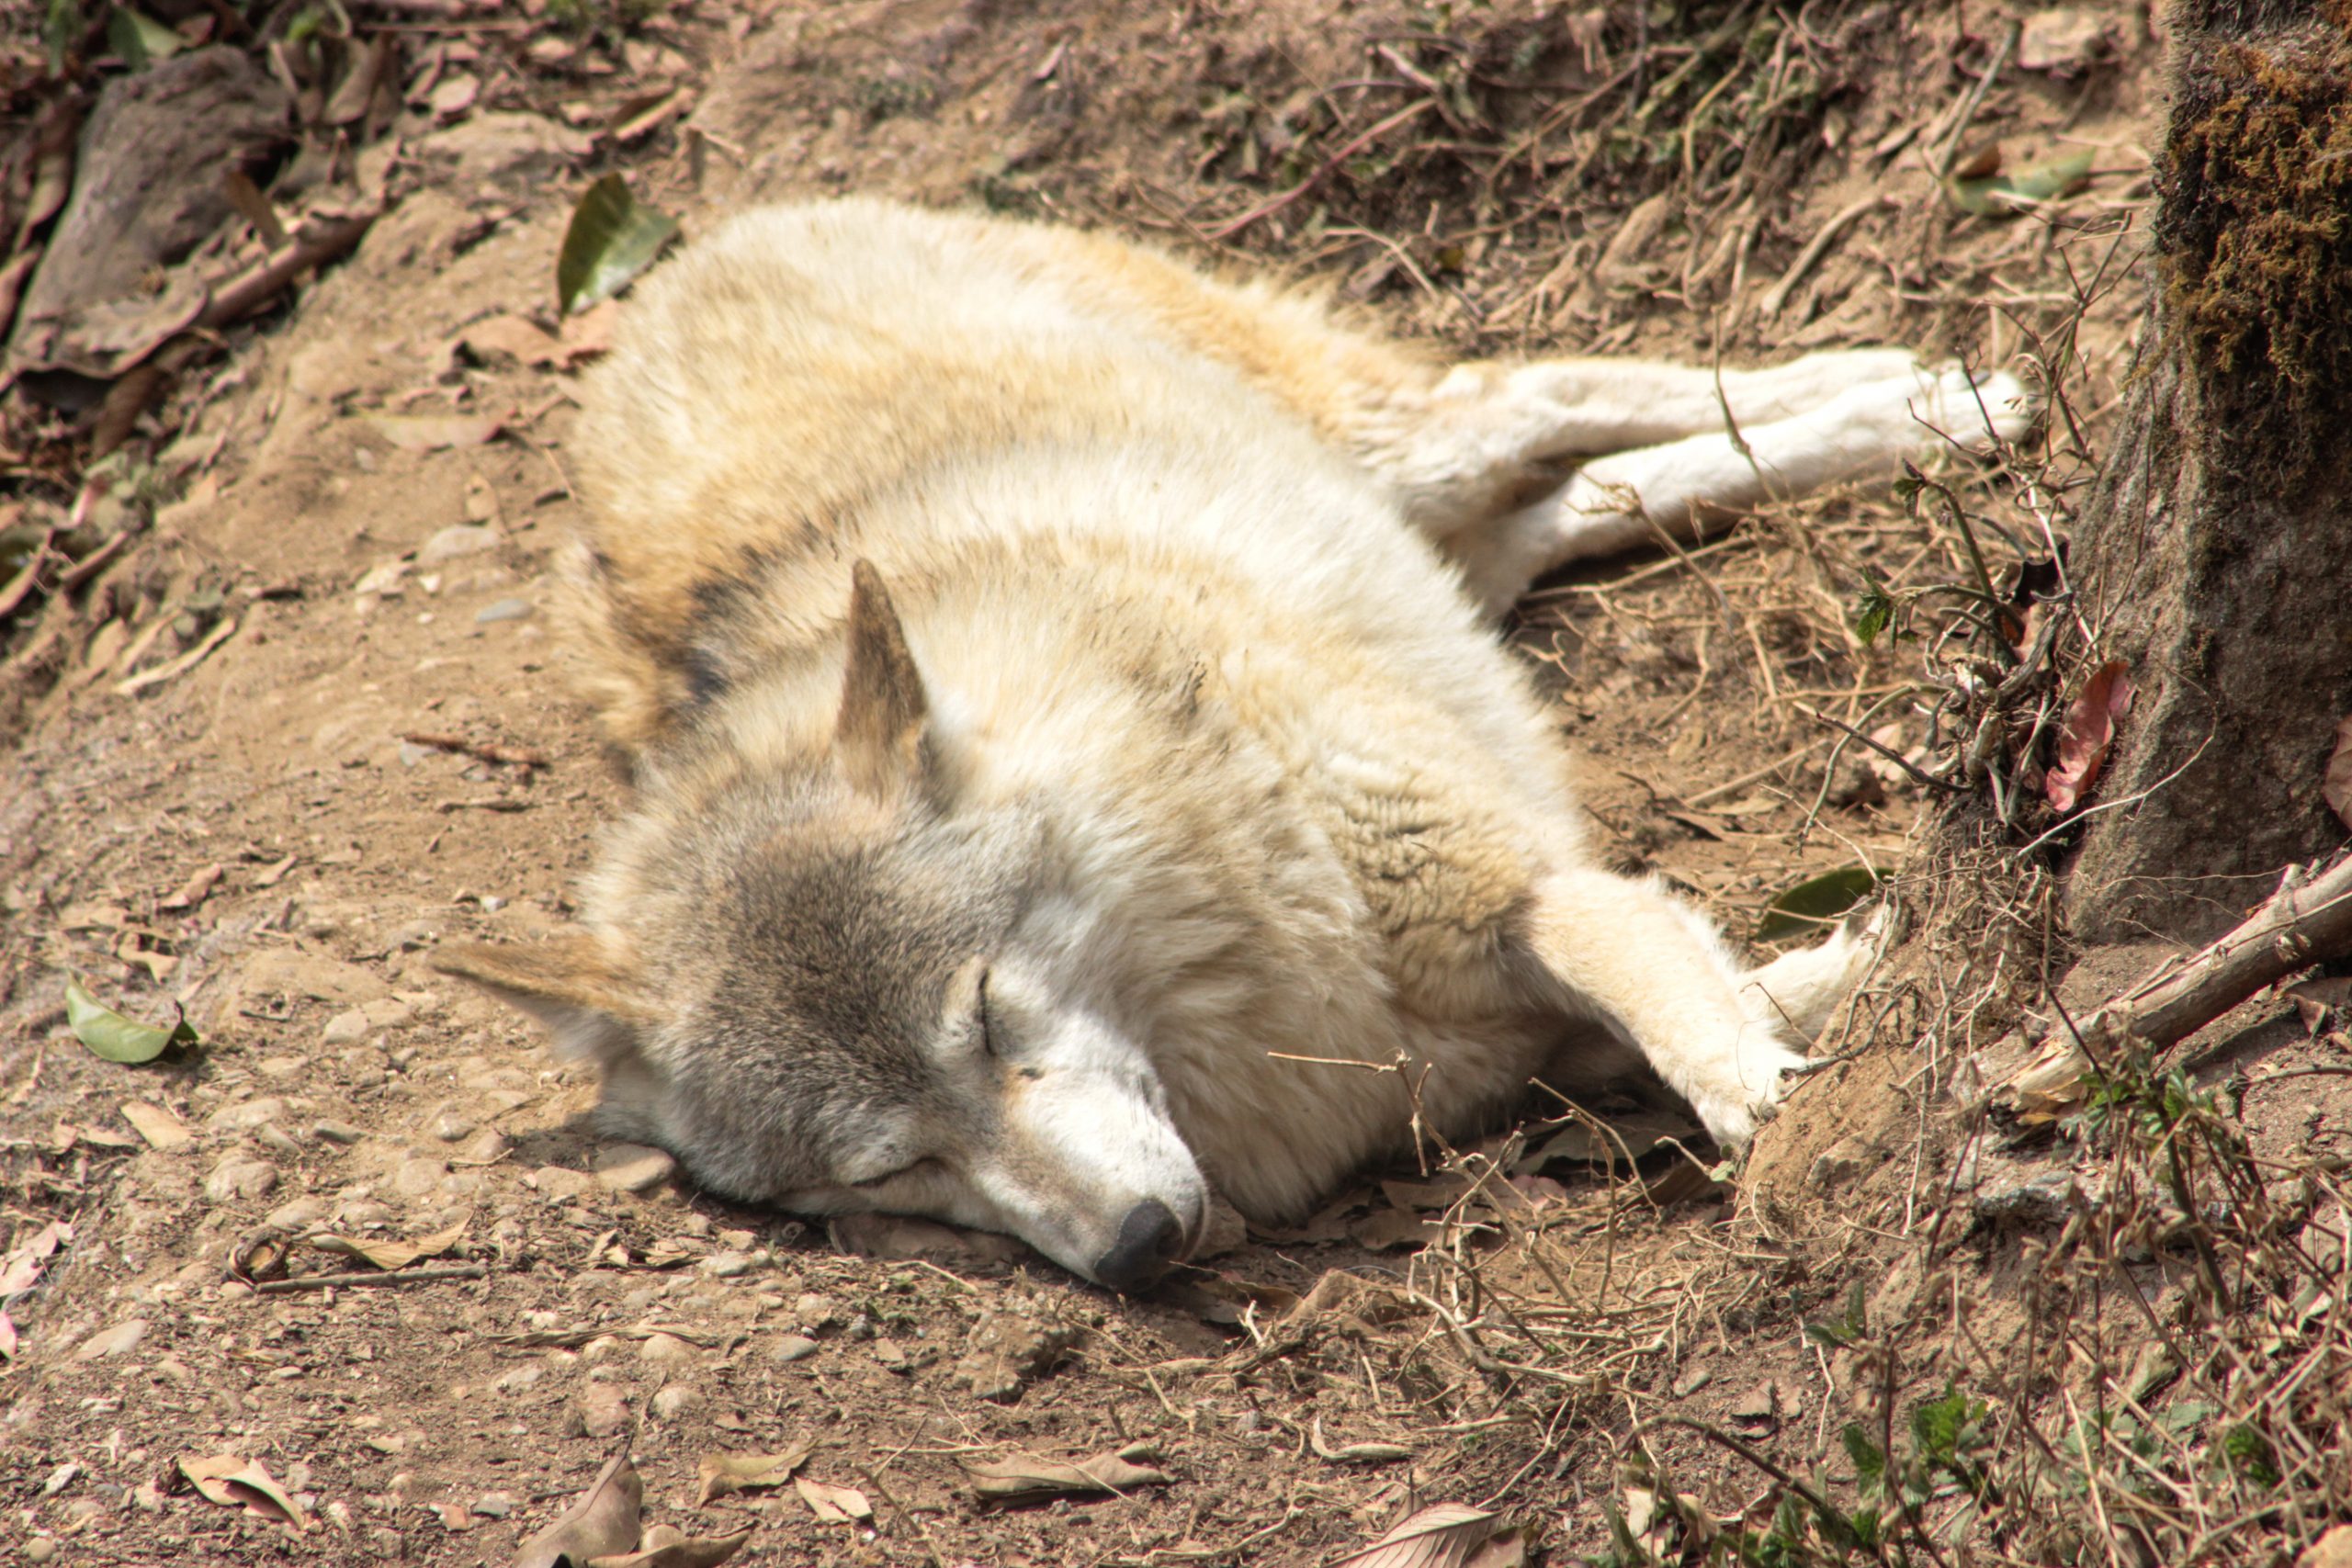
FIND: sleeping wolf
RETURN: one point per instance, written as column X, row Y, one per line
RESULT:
column 1076, row 771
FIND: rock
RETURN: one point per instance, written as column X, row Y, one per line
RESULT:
column 1010, row 1349
column 290, row 972
column 516, row 1379
column 496, row 1504
column 113, row 1341
column 2019, row 1195
column 728, row 1265
column 457, row 539
column 792, row 1348
column 487, row 1145
column 667, row 1351
column 41, row 1549
column 301, row 1214
column 234, row 1179
column 147, row 192
column 503, row 610
column 676, row 1400
column 2333, row 1549
column 451, row 1127
column 816, row 1312
column 2061, row 40
column 347, row 1028
column 516, row 151
column 342, row 1132
column 1839, row 1164
column 560, row 1184
column 633, row 1168
column 601, row 1411
column 246, row 1117
column 419, row 1177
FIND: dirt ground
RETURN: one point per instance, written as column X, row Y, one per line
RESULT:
column 262, row 837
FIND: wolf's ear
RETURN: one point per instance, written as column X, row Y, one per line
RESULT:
column 879, row 736
column 588, row 1003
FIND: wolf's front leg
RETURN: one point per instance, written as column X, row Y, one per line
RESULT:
column 1655, row 968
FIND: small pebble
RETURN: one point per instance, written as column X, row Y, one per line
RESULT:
column 503, row 610
column 674, row 1401
column 347, row 1028
column 792, row 1348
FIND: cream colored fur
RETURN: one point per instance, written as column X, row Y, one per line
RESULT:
column 1201, row 582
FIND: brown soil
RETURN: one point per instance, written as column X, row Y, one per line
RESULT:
column 342, row 1085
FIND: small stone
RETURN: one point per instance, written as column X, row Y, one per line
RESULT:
column 892, row 1356
column 270, row 1135
column 674, row 1401
column 347, row 1028
column 301, row 1214
column 667, row 1349
column 234, row 1179
column 792, row 1348
column 601, row 1411
column 419, row 1177
column 389, row 1012
column 813, row 1311
column 247, row 1116
column 494, row 1505
column 1691, row 1381
column 503, row 610
column 411, row 753
column 342, row 1132
column 112, row 1341
column 1009, row 1351
column 486, row 1146
column 633, row 1168
column 451, row 1127
column 560, row 1184
column 41, row 1549
column 727, row 1264
column 518, row 1379
column 457, row 540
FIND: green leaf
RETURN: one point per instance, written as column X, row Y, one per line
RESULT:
column 2003, row 194
column 138, row 40
column 613, row 237
column 1814, row 902
column 1869, row 1459
column 1873, row 608
column 115, row 1037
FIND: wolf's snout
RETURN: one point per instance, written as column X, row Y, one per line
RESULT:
column 1150, row 1238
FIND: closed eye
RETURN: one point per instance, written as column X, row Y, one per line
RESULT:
column 910, row 1168
column 988, row 1034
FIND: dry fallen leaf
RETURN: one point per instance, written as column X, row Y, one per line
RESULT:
column 2086, row 733
column 2336, row 785
column 22, row 1265
column 2319, row 999
column 233, row 1481
column 1446, row 1535
column 722, row 1473
column 161, row 1130
column 388, row 1254
column 602, row 1523
column 1032, row 1478
column 667, row 1547
column 192, row 892
column 511, row 337
column 833, row 1505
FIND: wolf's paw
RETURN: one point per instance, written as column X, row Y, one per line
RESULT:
column 1975, row 410
column 1743, row 1098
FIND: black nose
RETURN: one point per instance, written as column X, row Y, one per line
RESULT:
column 1150, row 1238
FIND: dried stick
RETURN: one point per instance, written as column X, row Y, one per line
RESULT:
column 2308, row 919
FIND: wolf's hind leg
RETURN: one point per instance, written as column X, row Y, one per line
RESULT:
column 1667, row 491
column 1657, row 969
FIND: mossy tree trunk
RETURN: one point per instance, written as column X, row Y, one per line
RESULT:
column 2216, row 555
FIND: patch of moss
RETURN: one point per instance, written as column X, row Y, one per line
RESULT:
column 2255, row 243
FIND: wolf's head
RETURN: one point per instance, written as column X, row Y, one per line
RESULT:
column 843, row 990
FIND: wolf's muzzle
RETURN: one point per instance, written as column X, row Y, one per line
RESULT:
column 1150, row 1238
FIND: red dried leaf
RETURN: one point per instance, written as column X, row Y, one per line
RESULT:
column 2086, row 733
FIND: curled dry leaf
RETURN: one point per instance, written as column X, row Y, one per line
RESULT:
column 833, row 1505
column 2336, row 785
column 1032, row 1478
column 1446, row 1535
column 722, row 1473
column 233, row 1481
column 388, row 1254
column 602, row 1523
column 667, row 1547
column 2086, row 733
